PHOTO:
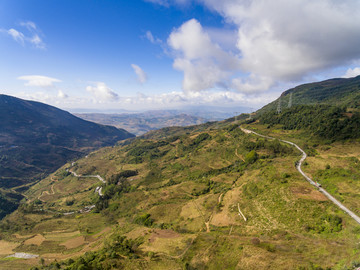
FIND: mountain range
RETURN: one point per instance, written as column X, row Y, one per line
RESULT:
column 141, row 123
column 208, row 196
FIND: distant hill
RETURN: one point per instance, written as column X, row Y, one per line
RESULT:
column 36, row 139
column 141, row 123
column 336, row 92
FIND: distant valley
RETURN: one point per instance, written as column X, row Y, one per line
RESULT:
column 140, row 123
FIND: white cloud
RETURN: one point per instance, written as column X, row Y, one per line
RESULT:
column 276, row 42
column 29, row 25
column 352, row 72
column 102, row 92
column 252, row 83
column 32, row 36
column 62, row 95
column 37, row 42
column 286, row 40
column 152, row 39
column 17, row 36
column 141, row 75
column 38, row 80
column 206, row 97
column 204, row 63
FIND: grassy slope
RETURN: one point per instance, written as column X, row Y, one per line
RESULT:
column 336, row 92
column 286, row 226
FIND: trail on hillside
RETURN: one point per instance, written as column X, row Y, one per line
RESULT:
column 298, row 167
column 47, row 192
column 98, row 189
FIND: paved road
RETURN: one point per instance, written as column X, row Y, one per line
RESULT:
column 298, row 167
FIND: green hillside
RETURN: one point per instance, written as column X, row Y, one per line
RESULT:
column 335, row 92
column 328, row 110
column 204, row 197
column 172, row 202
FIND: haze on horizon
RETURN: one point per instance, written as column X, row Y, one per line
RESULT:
column 157, row 54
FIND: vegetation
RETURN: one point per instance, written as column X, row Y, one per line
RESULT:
column 202, row 197
column 326, row 122
column 36, row 139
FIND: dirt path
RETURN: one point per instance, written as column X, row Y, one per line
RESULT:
column 47, row 192
column 236, row 154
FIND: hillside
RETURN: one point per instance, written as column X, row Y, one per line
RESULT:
column 335, row 92
column 141, row 123
column 163, row 207
column 328, row 110
column 208, row 196
column 36, row 139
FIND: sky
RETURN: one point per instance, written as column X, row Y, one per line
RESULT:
column 163, row 54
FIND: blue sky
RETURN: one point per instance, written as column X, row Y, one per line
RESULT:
column 168, row 53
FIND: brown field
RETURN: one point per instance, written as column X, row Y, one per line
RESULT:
column 74, row 243
column 6, row 248
column 36, row 240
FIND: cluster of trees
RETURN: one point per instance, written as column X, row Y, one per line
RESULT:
column 144, row 219
column 115, row 186
column 324, row 121
column 328, row 224
column 146, row 149
column 111, row 256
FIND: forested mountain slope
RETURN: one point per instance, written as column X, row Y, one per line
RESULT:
column 335, row 92
column 36, row 139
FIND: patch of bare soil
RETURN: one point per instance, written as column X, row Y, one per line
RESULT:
column 163, row 234
column 7, row 247
column 308, row 193
column 36, row 240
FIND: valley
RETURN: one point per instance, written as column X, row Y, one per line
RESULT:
column 180, row 135
column 176, row 210
column 36, row 139
column 249, row 192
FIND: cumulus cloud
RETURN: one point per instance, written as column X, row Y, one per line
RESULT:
column 206, row 97
column 102, row 92
column 141, row 75
column 31, row 36
column 286, row 40
column 352, row 72
column 276, row 42
column 204, row 63
column 38, row 80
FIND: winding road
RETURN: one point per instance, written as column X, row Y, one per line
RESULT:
column 298, row 167
column 98, row 189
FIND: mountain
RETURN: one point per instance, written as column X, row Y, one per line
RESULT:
column 336, row 92
column 36, row 139
column 209, row 196
column 172, row 200
column 140, row 123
